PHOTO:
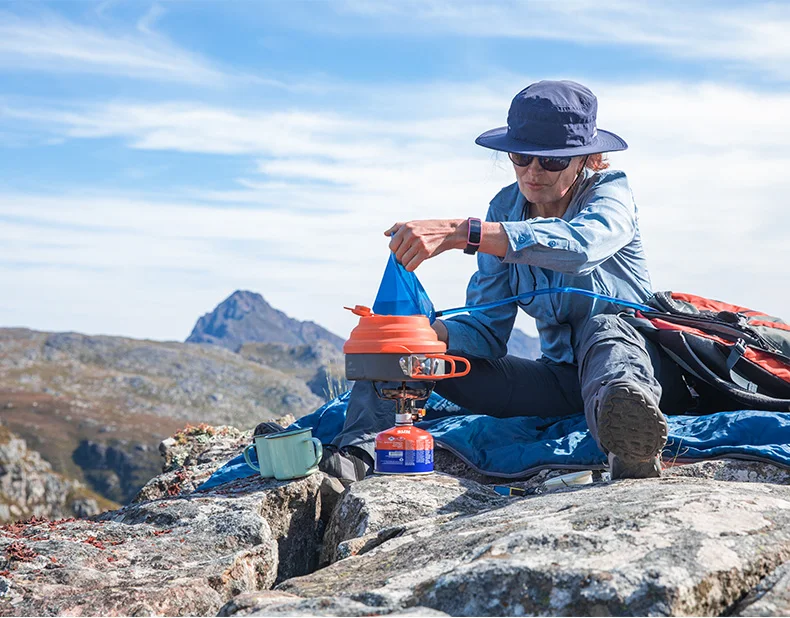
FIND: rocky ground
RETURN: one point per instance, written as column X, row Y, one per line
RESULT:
column 707, row 539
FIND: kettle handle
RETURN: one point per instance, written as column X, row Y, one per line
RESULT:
column 452, row 374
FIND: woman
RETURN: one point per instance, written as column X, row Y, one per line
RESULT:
column 567, row 221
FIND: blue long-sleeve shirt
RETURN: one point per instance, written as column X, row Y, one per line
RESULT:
column 595, row 245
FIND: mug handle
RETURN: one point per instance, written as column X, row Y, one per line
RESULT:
column 319, row 451
column 248, row 460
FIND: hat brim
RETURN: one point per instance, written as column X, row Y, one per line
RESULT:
column 498, row 139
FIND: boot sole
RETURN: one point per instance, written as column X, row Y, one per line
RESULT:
column 630, row 426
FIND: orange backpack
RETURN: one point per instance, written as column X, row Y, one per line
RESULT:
column 742, row 353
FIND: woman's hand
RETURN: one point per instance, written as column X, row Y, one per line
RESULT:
column 416, row 241
column 441, row 331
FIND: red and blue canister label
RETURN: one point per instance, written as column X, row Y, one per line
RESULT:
column 404, row 449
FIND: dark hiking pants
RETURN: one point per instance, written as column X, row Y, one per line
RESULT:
column 609, row 349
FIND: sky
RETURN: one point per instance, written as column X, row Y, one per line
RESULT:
column 157, row 156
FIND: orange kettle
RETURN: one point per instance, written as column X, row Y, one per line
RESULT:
column 398, row 348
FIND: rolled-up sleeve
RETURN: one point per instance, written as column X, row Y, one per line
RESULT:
column 484, row 333
column 605, row 224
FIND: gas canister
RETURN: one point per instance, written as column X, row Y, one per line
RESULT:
column 404, row 449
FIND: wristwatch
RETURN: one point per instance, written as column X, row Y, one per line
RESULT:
column 473, row 235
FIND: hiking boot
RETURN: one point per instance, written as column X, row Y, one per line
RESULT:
column 619, row 469
column 349, row 464
column 631, row 429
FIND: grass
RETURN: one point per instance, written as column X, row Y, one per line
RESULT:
column 5, row 435
column 678, row 453
column 336, row 383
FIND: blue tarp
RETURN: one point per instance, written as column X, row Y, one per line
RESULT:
column 521, row 446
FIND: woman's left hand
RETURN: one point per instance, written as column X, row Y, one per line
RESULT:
column 416, row 241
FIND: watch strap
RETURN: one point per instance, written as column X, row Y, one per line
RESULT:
column 473, row 234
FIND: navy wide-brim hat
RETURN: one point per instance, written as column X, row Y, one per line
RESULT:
column 552, row 119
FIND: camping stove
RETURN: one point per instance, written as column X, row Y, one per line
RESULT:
column 403, row 350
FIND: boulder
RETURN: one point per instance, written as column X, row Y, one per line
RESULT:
column 382, row 503
column 275, row 603
column 670, row 546
column 185, row 555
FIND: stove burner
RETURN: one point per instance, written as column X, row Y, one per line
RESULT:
column 405, row 396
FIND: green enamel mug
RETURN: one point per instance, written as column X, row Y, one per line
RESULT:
column 264, row 465
column 294, row 454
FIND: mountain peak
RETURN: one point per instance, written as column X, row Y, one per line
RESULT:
column 245, row 317
column 241, row 303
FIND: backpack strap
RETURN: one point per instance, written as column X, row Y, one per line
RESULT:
column 683, row 354
column 736, row 353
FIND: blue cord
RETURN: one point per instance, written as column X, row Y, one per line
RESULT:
column 505, row 301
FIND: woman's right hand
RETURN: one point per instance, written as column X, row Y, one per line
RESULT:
column 414, row 242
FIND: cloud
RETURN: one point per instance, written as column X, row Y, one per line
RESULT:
column 51, row 43
column 146, row 23
column 306, row 228
column 306, row 266
column 750, row 36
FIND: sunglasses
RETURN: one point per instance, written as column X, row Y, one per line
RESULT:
column 550, row 164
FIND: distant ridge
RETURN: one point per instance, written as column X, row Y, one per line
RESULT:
column 245, row 317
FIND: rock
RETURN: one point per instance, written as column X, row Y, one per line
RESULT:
column 733, row 470
column 275, row 603
column 177, row 556
column 670, row 546
column 165, row 445
column 176, row 483
column 381, row 502
column 771, row 597
column 85, row 507
column 202, row 444
column 30, row 488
